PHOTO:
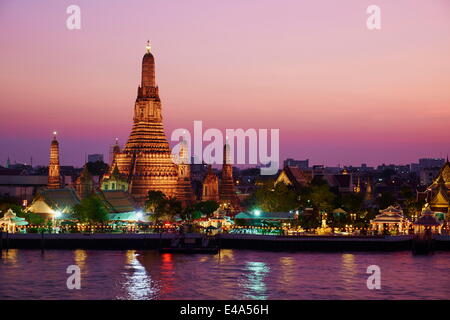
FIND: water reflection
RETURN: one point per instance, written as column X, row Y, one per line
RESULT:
column 226, row 255
column 348, row 268
column 10, row 255
column 287, row 269
column 80, row 257
column 254, row 283
column 138, row 283
column 167, row 273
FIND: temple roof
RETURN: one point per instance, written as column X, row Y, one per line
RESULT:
column 117, row 201
column 389, row 215
column 294, row 174
column 59, row 199
column 427, row 218
column 444, row 175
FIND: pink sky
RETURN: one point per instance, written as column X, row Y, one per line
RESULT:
column 339, row 93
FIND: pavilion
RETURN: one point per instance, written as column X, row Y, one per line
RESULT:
column 427, row 223
column 10, row 221
column 390, row 219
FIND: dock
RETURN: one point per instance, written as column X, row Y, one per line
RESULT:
column 167, row 242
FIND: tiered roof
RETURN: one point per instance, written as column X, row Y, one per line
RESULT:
column 427, row 218
column 389, row 215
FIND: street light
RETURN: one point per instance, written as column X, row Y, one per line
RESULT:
column 256, row 212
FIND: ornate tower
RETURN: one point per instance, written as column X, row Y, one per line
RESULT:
column 357, row 189
column 184, row 191
column 84, row 184
column 54, row 178
column 368, row 195
column 210, row 186
column 114, row 153
column 227, row 192
column 146, row 160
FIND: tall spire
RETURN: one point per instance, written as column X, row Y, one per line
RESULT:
column 148, row 69
column 227, row 192
column 54, row 178
column 368, row 195
column 146, row 159
column 184, row 189
column 210, row 188
column 184, row 152
column 226, row 153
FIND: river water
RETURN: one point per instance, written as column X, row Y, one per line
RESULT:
column 234, row 274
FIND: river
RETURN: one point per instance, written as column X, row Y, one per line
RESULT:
column 234, row 274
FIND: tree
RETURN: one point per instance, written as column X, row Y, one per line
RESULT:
column 278, row 198
column 8, row 202
column 91, row 210
column 309, row 221
column 169, row 208
column 97, row 168
column 385, row 200
column 318, row 196
column 352, row 202
column 154, row 199
column 162, row 207
column 35, row 219
column 207, row 207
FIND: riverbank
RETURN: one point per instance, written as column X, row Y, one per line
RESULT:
column 228, row 241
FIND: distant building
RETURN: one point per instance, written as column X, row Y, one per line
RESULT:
column 293, row 176
column 427, row 163
column 403, row 169
column 302, row 164
column 21, row 187
column 431, row 163
column 427, row 175
column 95, row 157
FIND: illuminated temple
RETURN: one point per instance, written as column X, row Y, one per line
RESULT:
column 438, row 193
column 54, row 178
column 146, row 159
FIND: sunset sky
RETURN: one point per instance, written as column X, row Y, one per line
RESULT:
column 338, row 92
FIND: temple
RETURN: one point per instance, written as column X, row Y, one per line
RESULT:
column 146, row 159
column 210, row 190
column 227, row 193
column 54, row 177
column 438, row 193
column 184, row 188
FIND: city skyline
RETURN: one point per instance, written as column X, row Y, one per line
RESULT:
column 339, row 93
